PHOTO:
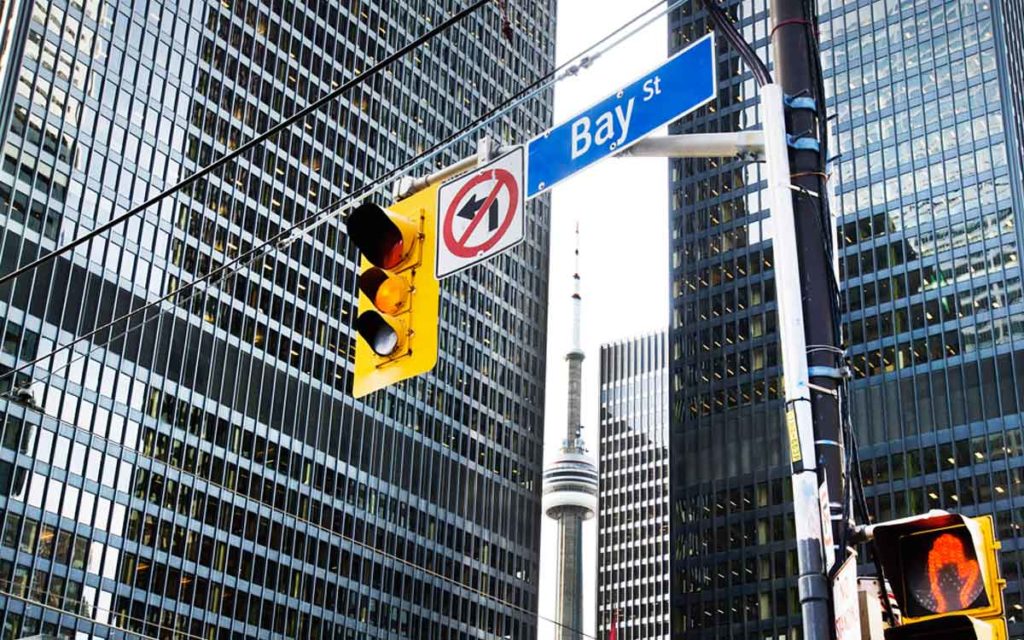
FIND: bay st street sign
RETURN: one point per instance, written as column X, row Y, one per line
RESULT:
column 685, row 82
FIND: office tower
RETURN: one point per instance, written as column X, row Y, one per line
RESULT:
column 931, row 197
column 732, row 541
column 210, row 473
column 929, row 201
column 633, row 526
column 570, row 489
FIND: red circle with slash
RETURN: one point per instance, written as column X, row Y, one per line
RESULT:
column 460, row 246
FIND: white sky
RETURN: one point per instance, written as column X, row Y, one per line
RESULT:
column 622, row 209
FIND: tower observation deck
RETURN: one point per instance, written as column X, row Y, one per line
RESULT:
column 570, row 490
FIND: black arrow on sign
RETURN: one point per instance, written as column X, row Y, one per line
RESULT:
column 472, row 206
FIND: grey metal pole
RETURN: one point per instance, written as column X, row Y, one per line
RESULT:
column 812, row 583
column 797, row 66
column 798, row 73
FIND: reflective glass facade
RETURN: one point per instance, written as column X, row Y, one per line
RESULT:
column 926, row 96
column 732, row 548
column 209, row 475
column 633, row 525
column 930, row 194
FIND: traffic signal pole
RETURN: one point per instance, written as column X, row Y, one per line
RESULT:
column 814, row 406
column 812, row 582
column 807, row 451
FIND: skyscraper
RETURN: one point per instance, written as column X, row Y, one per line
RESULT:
column 633, row 577
column 926, row 96
column 570, row 489
column 209, row 474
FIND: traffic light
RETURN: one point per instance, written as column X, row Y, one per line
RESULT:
column 944, row 572
column 398, row 293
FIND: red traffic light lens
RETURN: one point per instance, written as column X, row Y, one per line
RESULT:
column 942, row 573
column 378, row 333
column 376, row 235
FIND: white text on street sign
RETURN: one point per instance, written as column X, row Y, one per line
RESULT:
column 683, row 83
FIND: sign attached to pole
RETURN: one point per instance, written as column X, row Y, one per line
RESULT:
column 480, row 214
column 685, row 82
column 846, row 600
column 827, row 539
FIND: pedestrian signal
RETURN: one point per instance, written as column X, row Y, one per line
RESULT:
column 944, row 571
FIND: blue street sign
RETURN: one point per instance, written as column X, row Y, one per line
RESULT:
column 685, row 82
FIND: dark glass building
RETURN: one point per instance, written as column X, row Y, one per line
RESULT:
column 209, row 475
column 929, row 205
column 732, row 536
column 633, row 526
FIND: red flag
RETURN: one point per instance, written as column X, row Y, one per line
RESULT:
column 613, row 633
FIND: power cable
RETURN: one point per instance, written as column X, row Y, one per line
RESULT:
column 250, row 144
column 723, row 24
column 64, row 612
column 285, row 237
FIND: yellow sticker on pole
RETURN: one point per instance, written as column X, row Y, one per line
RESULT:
column 794, row 437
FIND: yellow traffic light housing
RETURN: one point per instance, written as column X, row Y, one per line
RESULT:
column 398, row 293
column 944, row 570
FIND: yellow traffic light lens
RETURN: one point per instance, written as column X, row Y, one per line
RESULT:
column 388, row 293
column 942, row 572
column 378, row 333
column 392, row 295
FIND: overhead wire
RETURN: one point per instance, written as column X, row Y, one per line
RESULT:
column 302, row 228
column 177, row 634
column 258, row 139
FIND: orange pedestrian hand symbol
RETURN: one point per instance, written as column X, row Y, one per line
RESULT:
column 954, row 579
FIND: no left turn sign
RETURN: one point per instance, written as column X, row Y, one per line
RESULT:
column 480, row 214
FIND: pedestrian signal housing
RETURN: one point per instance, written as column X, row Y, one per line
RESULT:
column 944, row 570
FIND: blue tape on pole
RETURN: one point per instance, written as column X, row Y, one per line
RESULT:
column 803, row 144
column 800, row 102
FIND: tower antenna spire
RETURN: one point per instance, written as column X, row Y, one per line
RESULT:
column 576, row 300
column 570, row 485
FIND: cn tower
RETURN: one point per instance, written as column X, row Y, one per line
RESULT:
column 570, row 489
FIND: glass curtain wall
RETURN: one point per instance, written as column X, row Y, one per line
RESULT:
column 633, row 526
column 208, row 474
column 926, row 99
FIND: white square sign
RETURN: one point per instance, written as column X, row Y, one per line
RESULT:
column 480, row 214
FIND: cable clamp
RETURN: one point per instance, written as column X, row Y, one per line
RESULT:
column 803, row 143
column 800, row 102
column 287, row 241
column 804, row 192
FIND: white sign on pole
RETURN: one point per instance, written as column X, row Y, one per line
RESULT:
column 480, row 214
column 846, row 600
column 827, row 540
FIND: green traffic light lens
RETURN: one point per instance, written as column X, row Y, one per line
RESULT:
column 381, row 336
